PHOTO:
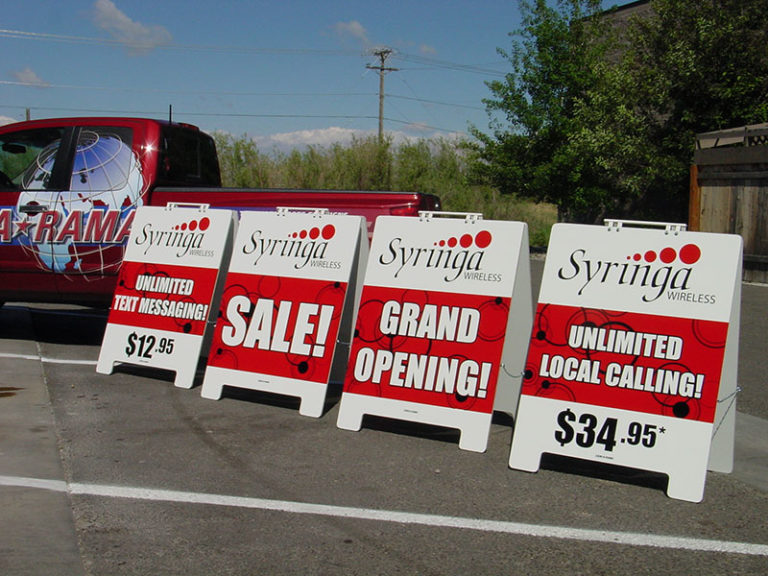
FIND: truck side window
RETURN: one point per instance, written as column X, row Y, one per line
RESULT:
column 27, row 158
column 103, row 159
column 187, row 157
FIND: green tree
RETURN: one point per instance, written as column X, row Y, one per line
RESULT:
column 554, row 60
column 241, row 163
column 693, row 66
column 433, row 166
column 704, row 62
column 604, row 125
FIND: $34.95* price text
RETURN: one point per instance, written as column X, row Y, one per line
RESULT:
column 587, row 430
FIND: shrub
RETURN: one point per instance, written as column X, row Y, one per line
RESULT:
column 430, row 166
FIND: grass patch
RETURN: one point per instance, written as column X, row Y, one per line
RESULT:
column 435, row 167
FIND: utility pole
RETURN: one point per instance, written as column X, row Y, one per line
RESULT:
column 382, row 54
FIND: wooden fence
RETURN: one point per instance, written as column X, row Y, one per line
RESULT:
column 729, row 191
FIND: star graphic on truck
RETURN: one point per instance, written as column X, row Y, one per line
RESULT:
column 22, row 227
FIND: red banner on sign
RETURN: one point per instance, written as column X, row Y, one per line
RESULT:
column 163, row 297
column 428, row 347
column 645, row 363
column 278, row 326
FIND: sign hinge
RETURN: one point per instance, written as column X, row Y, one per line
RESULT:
column 469, row 217
column 669, row 227
column 201, row 207
column 316, row 212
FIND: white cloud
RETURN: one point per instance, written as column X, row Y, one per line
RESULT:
column 419, row 127
column 427, row 49
column 303, row 138
column 6, row 120
column 141, row 38
column 325, row 137
column 30, row 78
column 352, row 29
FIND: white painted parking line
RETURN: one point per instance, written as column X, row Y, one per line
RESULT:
column 514, row 528
column 48, row 360
column 22, row 482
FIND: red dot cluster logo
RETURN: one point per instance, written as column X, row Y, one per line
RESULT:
column 326, row 233
column 194, row 225
column 481, row 240
column 688, row 254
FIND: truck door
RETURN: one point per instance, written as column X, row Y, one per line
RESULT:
column 67, row 199
column 30, row 172
column 96, row 207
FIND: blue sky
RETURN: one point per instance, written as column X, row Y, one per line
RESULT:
column 286, row 73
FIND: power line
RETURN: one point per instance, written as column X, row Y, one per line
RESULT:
column 194, row 92
column 445, row 65
column 25, row 35
column 182, row 113
column 382, row 54
column 103, row 111
column 235, row 93
column 430, row 63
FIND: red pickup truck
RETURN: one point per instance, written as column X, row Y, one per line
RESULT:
column 69, row 188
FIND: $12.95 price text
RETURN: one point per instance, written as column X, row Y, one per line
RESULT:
column 145, row 345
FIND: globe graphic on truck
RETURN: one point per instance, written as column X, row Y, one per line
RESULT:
column 106, row 187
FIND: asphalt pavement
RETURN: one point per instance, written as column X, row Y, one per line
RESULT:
column 127, row 474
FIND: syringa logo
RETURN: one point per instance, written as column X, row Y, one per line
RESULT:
column 186, row 237
column 455, row 255
column 667, row 270
column 304, row 245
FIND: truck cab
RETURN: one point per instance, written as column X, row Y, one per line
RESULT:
column 68, row 192
column 70, row 187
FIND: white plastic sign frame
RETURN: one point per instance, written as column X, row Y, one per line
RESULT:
column 288, row 305
column 633, row 352
column 440, row 298
column 162, row 309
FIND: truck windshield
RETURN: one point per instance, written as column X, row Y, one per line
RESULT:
column 26, row 158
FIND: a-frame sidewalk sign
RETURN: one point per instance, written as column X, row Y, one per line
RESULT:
column 288, row 305
column 633, row 352
column 163, row 308
column 437, row 307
